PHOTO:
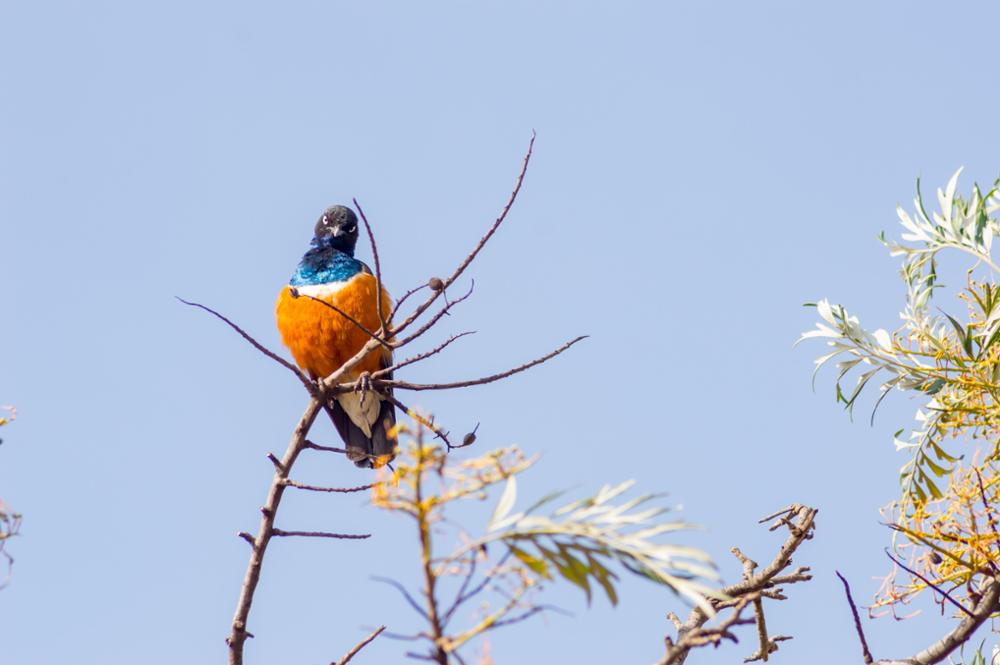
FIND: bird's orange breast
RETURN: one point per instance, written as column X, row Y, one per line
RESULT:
column 320, row 338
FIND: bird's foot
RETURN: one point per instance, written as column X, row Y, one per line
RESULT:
column 363, row 385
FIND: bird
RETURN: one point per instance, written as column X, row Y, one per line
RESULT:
column 321, row 339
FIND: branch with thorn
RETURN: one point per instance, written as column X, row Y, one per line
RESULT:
column 749, row 593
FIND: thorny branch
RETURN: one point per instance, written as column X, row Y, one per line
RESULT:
column 321, row 392
column 750, row 591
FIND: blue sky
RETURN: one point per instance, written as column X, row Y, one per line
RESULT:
column 701, row 170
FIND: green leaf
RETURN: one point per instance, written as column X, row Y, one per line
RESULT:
column 931, row 487
column 938, row 471
column 580, row 570
column 566, row 570
column 603, row 577
column 536, row 564
column 935, row 387
column 941, row 454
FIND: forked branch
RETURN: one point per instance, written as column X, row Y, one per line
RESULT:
column 749, row 592
column 941, row 649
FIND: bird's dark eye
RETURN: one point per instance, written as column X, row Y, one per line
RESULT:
column 350, row 228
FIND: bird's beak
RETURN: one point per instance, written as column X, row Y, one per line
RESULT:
column 337, row 231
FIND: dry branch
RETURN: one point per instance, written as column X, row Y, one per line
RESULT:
column 421, row 356
column 384, row 326
column 475, row 250
column 866, row 653
column 254, row 343
column 749, row 591
column 238, row 632
column 321, row 534
column 359, row 646
column 989, row 603
column 341, row 490
column 406, row 385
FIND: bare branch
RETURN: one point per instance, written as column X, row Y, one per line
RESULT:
column 426, row 422
column 437, row 317
column 238, row 632
column 941, row 649
column 421, row 356
column 327, row 449
column 403, row 298
column 310, row 386
column 865, row 652
column 378, row 271
column 800, row 522
column 406, row 594
column 462, row 595
column 767, row 645
column 475, row 251
column 359, row 646
column 330, row 383
column 406, row 385
column 527, row 615
column 990, row 518
column 321, row 534
column 930, row 584
column 314, row 488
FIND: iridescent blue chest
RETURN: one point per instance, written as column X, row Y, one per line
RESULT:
column 323, row 265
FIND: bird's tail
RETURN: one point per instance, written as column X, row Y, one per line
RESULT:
column 366, row 451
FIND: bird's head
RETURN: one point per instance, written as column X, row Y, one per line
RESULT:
column 337, row 228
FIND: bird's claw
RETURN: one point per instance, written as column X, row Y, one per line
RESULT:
column 363, row 385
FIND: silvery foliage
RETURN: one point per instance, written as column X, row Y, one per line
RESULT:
column 577, row 540
column 968, row 226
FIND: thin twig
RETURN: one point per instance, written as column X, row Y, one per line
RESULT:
column 527, row 614
column 238, row 631
column 420, row 309
column 990, row 517
column 865, row 652
column 406, row 385
column 359, row 646
column 942, row 648
column 437, row 317
column 403, row 299
column 463, row 597
column 406, row 594
column 420, row 356
column 257, row 345
column 754, row 584
column 930, row 584
column 315, row 488
column 384, row 331
column 429, row 424
column 461, row 589
column 327, row 449
column 321, row 534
